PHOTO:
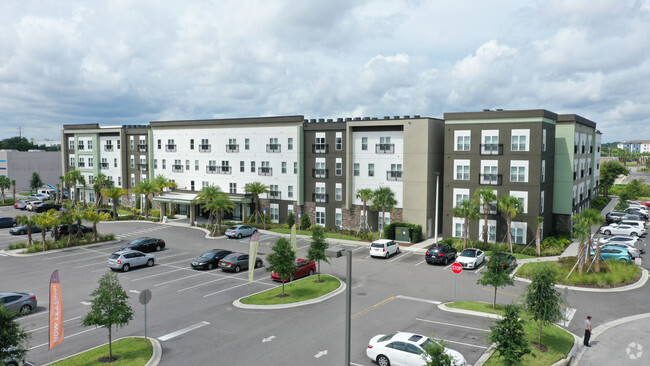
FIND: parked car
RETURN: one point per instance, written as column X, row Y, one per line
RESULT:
column 634, row 252
column 124, row 260
column 304, row 268
column 235, row 262
column 22, row 204
column 622, row 229
column 635, row 223
column 104, row 210
column 45, row 206
column 642, row 203
column 641, row 213
column 633, row 217
column 471, row 258
column 30, row 205
column 40, row 196
column 8, row 222
column 209, row 259
column 383, row 248
column 611, row 253
column 440, row 253
column 239, row 231
column 22, row 230
column 403, row 348
column 144, row 245
column 508, row 261
column 632, row 240
column 20, row 302
column 63, row 229
column 614, row 216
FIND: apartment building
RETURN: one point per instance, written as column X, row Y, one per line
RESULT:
column 635, row 146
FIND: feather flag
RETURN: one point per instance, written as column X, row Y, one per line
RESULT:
column 253, row 244
column 56, row 310
column 293, row 239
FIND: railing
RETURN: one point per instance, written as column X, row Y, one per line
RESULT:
column 394, row 175
column 491, row 149
column 490, row 179
column 80, row 147
column 177, row 168
column 205, row 148
column 320, row 148
column 211, row 169
column 232, row 148
column 104, row 166
column 320, row 197
column 170, row 148
column 224, row 169
column 142, row 166
column 265, row 170
column 320, row 173
column 108, row 147
column 385, row 148
column 272, row 148
column 274, row 195
column 142, row 148
column 81, row 164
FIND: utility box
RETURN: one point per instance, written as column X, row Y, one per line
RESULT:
column 403, row 234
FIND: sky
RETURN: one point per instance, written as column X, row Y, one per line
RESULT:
column 135, row 61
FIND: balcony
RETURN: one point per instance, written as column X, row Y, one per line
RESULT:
column 108, row 147
column 80, row 147
column 385, row 148
column 274, row 195
column 265, row 170
column 272, row 148
column 205, row 148
column 232, row 148
column 177, row 168
column 82, row 164
column 142, row 147
column 394, row 175
column 170, row 148
column 320, row 148
column 320, row 197
column 211, row 169
column 143, row 167
column 104, row 166
column 490, row 179
column 491, row 149
column 224, row 169
column 320, row 173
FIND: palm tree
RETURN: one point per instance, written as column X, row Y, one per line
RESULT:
column 83, row 187
column 26, row 220
column 5, row 183
column 365, row 195
column 59, row 191
column 509, row 206
column 162, row 182
column 42, row 221
column 114, row 193
column 485, row 196
column 207, row 195
column 538, row 236
column 94, row 217
column 592, row 217
column 101, row 181
column 582, row 232
column 72, row 177
column 467, row 210
column 220, row 204
column 383, row 199
column 13, row 186
column 256, row 188
column 145, row 187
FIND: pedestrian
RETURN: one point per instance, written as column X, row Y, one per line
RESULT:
column 587, row 331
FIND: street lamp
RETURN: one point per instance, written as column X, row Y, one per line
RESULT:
column 437, row 205
column 336, row 252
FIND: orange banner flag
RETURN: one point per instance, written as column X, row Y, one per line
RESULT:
column 56, row 310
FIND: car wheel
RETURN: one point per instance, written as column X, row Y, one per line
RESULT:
column 209, row 265
column 607, row 232
column 292, row 278
column 14, row 224
column 634, row 234
column 22, row 232
column 622, row 260
column 383, row 360
column 25, row 309
column 258, row 264
column 387, row 255
column 239, row 236
column 126, row 267
column 158, row 248
column 311, row 272
column 446, row 260
column 150, row 263
column 237, row 269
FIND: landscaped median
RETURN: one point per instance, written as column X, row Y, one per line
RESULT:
column 300, row 292
column 132, row 351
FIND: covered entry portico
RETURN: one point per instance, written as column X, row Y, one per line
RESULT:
column 188, row 206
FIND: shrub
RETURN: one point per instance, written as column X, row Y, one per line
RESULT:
column 291, row 220
column 599, row 203
column 154, row 213
column 305, row 221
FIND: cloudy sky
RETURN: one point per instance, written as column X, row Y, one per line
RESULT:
column 135, row 61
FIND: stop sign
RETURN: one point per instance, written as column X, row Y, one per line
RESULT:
column 457, row 267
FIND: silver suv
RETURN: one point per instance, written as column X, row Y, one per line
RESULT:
column 127, row 259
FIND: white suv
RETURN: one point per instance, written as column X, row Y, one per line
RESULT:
column 383, row 248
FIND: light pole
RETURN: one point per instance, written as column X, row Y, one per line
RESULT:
column 336, row 252
column 437, row 205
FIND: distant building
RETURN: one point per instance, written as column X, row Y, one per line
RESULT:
column 635, row 146
column 46, row 142
column 20, row 165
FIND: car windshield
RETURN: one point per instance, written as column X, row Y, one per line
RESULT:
column 208, row 255
column 377, row 245
column 468, row 253
column 114, row 256
column 427, row 343
column 233, row 228
column 136, row 242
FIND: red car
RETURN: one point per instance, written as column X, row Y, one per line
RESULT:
column 304, row 268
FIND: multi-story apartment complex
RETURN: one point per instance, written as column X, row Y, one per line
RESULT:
column 635, row 146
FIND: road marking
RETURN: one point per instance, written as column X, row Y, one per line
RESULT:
column 82, row 259
column 67, row 336
column 134, row 291
column 321, row 353
column 449, row 266
column 204, row 283
column 3, row 254
column 452, row 325
column 177, row 279
column 464, row 344
column 243, row 284
column 366, row 310
column 269, row 339
column 91, row 264
column 417, row 299
column 399, row 257
column 417, row 264
column 85, row 303
column 47, row 326
column 175, row 334
column 157, row 274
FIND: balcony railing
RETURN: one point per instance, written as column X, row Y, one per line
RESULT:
column 275, row 195
column 224, row 169
column 320, row 197
column 265, row 170
column 211, row 169
column 177, row 168
column 205, row 148
column 142, row 166
column 108, row 147
column 81, row 164
column 491, row 149
column 385, row 148
column 232, row 148
column 80, row 147
column 170, row 148
column 142, row 147
column 320, row 173
column 394, row 175
column 272, row 148
column 104, row 165
column 490, row 179
column 320, row 148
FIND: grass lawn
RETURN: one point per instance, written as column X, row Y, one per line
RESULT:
column 307, row 232
column 613, row 274
column 132, row 352
column 557, row 340
column 300, row 290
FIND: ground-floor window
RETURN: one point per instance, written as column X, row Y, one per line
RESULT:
column 275, row 213
column 320, row 216
column 458, row 227
column 386, row 220
column 338, row 221
column 518, row 232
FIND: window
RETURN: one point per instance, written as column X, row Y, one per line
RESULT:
column 385, row 216
column 72, row 161
column 519, row 171
column 204, row 184
column 71, row 145
column 104, row 163
column 363, row 221
column 320, row 195
column 371, row 170
column 159, row 144
column 132, row 162
column 518, row 232
column 544, row 140
column 284, row 167
column 205, row 145
column 356, row 169
column 320, row 147
column 320, row 171
column 191, row 144
column 275, row 213
column 247, row 144
column 164, row 164
column 196, row 165
column 320, row 216
column 290, row 143
column 338, row 196
column 339, row 167
column 242, row 166
column 171, row 146
column 520, row 140
column 541, row 202
column 489, row 172
column 339, row 141
column 177, row 167
column 265, row 168
column 364, row 143
column 492, row 230
column 191, row 185
column 131, row 142
column 82, row 162
column 115, row 162
column 290, row 191
column 461, row 167
column 233, row 188
column 274, row 191
column 155, row 163
column 187, row 165
column 273, row 145
column 295, row 167
column 338, row 218
column 522, row 196
column 80, row 145
column 252, row 167
column 543, row 170
column 384, row 146
column 395, row 172
column 490, row 144
column 119, row 181
column 460, row 195
column 462, row 138
column 118, row 144
column 90, row 146
column 90, row 162
column 458, row 227
column 132, row 180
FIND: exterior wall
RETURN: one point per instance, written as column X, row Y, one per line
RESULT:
column 20, row 165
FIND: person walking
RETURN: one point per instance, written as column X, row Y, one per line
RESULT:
column 587, row 331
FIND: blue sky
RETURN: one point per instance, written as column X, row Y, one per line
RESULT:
column 131, row 62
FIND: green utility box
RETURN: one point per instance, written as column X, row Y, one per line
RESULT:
column 403, row 234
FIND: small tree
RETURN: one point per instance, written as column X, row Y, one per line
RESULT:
column 256, row 188
column 12, row 336
column 509, row 337
column 35, row 182
column 538, row 236
column 282, row 261
column 13, row 188
column 365, row 195
column 145, row 187
column 485, row 196
column 28, row 221
column 42, row 221
column 305, row 222
column 291, row 219
column 109, row 307
column 94, row 217
column 543, row 302
column 114, row 193
column 317, row 248
column 5, row 183
column 496, row 274
column 510, row 207
column 435, row 355
column 467, row 210
column 383, row 199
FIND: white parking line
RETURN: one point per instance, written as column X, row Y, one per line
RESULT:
column 243, row 284
column 417, row 264
column 417, row 299
column 399, row 257
column 464, row 344
column 177, row 279
column 47, row 326
column 452, row 325
column 156, row 275
column 175, row 334
column 82, row 259
column 67, row 336
column 204, row 283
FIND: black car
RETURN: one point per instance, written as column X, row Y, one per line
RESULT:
column 440, row 253
column 145, row 245
column 640, row 213
column 8, row 222
column 507, row 260
column 209, row 259
column 63, row 229
column 46, row 206
column 614, row 216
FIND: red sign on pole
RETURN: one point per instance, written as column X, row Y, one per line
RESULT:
column 457, row 268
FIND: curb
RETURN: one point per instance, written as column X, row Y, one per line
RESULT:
column 156, row 354
column 640, row 283
column 340, row 289
column 17, row 252
column 444, row 307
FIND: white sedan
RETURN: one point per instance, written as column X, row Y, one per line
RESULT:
column 471, row 258
column 404, row 349
column 622, row 229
